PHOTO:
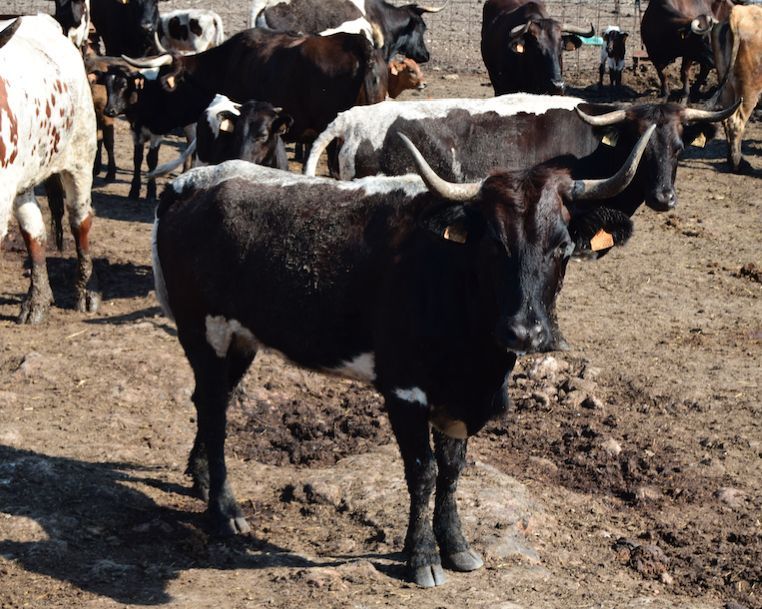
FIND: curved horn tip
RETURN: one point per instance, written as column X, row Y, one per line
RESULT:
column 445, row 189
column 604, row 120
column 431, row 9
column 711, row 116
column 609, row 187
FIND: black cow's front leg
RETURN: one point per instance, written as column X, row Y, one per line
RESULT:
column 455, row 551
column 137, row 162
column 152, row 159
column 409, row 419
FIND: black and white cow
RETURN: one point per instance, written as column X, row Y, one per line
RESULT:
column 227, row 130
column 190, row 30
column 394, row 29
column 47, row 131
column 74, row 18
column 424, row 288
column 612, row 55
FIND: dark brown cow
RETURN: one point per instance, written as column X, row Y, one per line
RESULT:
column 424, row 288
column 680, row 28
column 522, row 45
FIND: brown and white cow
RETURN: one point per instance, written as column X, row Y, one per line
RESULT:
column 47, row 129
column 738, row 57
column 190, row 30
column 424, row 288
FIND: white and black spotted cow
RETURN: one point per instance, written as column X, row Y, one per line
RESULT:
column 612, row 55
column 47, row 129
column 74, row 17
column 190, row 30
column 394, row 29
column 424, row 288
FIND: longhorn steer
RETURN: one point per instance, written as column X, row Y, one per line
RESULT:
column 679, row 28
column 127, row 27
column 47, row 129
column 521, row 46
column 427, row 292
column 395, row 29
column 738, row 54
column 190, row 30
column 227, row 131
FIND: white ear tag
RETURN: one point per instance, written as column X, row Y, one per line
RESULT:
column 700, row 141
column 226, row 125
column 611, row 138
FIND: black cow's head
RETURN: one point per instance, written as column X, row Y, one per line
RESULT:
column 404, row 29
column 676, row 128
column 123, row 89
column 614, row 41
column 540, row 43
column 519, row 230
column 143, row 15
column 257, row 131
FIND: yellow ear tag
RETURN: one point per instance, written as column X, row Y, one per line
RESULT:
column 226, row 125
column 519, row 48
column 456, row 234
column 611, row 138
column 700, row 141
column 601, row 241
column 171, row 82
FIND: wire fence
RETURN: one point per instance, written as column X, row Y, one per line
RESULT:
column 454, row 34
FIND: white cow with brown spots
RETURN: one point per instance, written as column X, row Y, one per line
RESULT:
column 47, row 130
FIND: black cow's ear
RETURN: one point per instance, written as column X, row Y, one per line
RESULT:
column 598, row 230
column 571, row 42
column 698, row 134
column 454, row 222
column 624, row 36
column 282, row 123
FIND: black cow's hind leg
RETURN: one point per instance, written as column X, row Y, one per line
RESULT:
column 411, row 428
column 455, row 551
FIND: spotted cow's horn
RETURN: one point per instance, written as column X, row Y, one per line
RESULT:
column 445, row 189
column 575, row 29
column 604, row 120
column 155, row 62
column 8, row 31
column 603, row 189
column 691, row 115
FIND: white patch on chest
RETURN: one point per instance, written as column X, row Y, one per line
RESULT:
column 221, row 332
column 413, row 395
column 360, row 368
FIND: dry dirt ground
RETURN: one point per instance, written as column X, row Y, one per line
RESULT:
column 627, row 473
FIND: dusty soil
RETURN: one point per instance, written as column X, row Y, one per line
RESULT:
column 627, row 473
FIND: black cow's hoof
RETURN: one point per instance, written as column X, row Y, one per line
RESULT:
column 110, row 176
column 134, row 193
column 464, row 561
column 429, row 576
column 232, row 526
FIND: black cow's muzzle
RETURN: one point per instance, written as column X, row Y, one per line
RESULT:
column 557, row 87
column 520, row 337
column 663, row 200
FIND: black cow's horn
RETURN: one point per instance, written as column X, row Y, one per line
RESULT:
column 156, row 62
column 159, row 46
column 8, row 31
column 575, row 29
column 691, row 115
column 519, row 31
column 448, row 190
column 431, row 9
column 603, row 189
column 604, row 120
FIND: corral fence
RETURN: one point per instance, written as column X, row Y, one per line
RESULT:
column 454, row 34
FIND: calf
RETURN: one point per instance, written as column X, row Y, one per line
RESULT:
column 226, row 131
column 47, row 129
column 612, row 56
column 738, row 55
column 424, row 288
column 404, row 74
column 190, row 30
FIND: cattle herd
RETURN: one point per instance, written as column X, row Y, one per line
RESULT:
column 433, row 256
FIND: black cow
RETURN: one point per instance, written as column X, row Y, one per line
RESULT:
column 312, row 78
column 74, row 17
column 395, row 29
column 227, row 131
column 612, row 56
column 126, row 28
column 680, row 28
column 428, row 292
column 522, row 45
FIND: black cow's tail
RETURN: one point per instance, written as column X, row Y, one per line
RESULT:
column 168, row 198
column 55, row 193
